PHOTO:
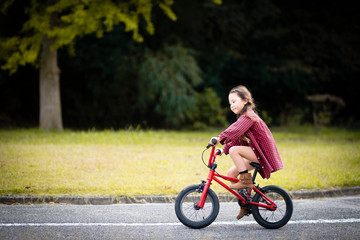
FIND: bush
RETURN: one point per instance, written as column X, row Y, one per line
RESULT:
column 207, row 111
column 168, row 77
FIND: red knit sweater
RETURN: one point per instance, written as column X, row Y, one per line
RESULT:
column 260, row 140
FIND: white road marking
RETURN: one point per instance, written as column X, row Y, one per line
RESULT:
column 317, row 221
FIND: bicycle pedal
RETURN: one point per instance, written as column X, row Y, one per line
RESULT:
column 248, row 213
column 244, row 190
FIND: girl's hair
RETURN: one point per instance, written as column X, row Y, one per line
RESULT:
column 244, row 94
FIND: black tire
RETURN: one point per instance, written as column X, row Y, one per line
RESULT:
column 273, row 218
column 188, row 214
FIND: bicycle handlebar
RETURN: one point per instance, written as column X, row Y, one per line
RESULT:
column 214, row 141
column 213, row 153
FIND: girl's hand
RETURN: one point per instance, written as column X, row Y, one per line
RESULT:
column 214, row 141
column 220, row 151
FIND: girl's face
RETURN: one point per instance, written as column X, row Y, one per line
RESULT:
column 236, row 103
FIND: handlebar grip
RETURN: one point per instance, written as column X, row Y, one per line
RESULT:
column 218, row 151
column 213, row 141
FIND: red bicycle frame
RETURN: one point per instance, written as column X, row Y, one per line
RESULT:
column 214, row 176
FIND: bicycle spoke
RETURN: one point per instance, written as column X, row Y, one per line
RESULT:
column 191, row 212
column 273, row 215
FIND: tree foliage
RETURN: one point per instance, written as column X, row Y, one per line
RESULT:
column 168, row 77
column 74, row 19
column 282, row 51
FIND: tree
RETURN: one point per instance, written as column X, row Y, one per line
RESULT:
column 168, row 78
column 54, row 24
column 281, row 50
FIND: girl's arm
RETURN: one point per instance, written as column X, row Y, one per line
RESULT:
column 236, row 142
column 235, row 130
column 228, row 146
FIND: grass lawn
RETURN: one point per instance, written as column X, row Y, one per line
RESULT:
column 128, row 163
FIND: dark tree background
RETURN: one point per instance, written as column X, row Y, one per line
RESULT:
column 283, row 51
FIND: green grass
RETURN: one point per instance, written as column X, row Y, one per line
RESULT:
column 128, row 163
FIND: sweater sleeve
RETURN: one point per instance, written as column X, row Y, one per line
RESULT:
column 236, row 142
column 235, row 130
column 228, row 146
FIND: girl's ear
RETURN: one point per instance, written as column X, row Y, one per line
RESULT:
column 245, row 101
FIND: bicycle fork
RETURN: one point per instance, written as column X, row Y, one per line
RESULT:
column 206, row 185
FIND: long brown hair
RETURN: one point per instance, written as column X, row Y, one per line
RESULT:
column 245, row 94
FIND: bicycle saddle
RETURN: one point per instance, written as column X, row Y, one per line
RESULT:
column 255, row 165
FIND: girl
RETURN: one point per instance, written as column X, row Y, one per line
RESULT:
column 248, row 140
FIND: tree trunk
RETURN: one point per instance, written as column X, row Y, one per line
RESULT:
column 50, row 105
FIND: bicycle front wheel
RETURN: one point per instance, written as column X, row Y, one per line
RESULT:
column 187, row 211
column 273, row 218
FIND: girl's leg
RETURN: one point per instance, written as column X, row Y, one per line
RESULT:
column 232, row 172
column 241, row 156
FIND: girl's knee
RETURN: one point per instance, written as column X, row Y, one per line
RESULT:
column 236, row 150
column 233, row 150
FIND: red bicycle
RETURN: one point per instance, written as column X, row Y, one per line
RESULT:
column 197, row 206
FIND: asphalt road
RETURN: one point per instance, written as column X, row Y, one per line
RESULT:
column 332, row 218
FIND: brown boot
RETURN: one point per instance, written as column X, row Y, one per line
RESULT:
column 245, row 181
column 242, row 213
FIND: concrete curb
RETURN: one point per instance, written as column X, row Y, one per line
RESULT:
column 81, row 200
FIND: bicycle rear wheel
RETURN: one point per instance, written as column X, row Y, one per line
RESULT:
column 187, row 211
column 273, row 218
